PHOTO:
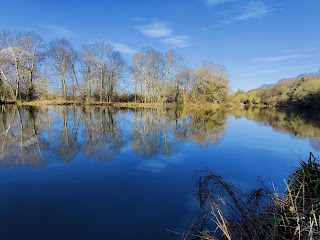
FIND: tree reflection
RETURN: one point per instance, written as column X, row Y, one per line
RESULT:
column 152, row 133
column 19, row 140
column 104, row 139
column 160, row 131
column 207, row 127
column 33, row 136
column 300, row 124
column 66, row 144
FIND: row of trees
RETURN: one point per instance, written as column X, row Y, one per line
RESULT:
column 31, row 69
column 163, row 77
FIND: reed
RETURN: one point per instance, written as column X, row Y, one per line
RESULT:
column 231, row 213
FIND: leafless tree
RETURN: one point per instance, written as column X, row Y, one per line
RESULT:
column 102, row 68
column 62, row 55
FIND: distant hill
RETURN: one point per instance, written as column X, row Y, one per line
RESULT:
column 264, row 86
column 302, row 75
column 302, row 91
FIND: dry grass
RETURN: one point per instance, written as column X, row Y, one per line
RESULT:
column 188, row 106
column 231, row 213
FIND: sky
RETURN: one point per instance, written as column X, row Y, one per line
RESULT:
column 259, row 41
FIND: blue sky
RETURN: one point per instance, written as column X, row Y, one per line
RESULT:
column 259, row 41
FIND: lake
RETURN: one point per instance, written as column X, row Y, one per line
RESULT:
column 112, row 173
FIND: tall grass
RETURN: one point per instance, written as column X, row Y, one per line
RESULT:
column 231, row 213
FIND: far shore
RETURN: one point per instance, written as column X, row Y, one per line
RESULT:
column 115, row 104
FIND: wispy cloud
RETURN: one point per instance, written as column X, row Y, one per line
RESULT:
column 155, row 30
column 58, row 30
column 177, row 41
column 123, row 48
column 138, row 19
column 211, row 3
column 205, row 29
column 300, row 50
column 162, row 30
column 269, row 71
column 242, row 11
column 250, row 10
column 279, row 58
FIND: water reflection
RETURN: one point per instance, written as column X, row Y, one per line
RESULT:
column 302, row 124
column 35, row 135
column 19, row 140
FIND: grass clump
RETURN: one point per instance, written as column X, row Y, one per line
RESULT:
column 231, row 213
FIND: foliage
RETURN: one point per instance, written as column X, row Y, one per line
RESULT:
column 296, row 92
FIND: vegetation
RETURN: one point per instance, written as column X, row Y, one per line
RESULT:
column 297, row 92
column 231, row 213
column 32, row 70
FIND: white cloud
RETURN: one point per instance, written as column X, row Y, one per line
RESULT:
column 123, row 48
column 177, row 41
column 212, row 3
column 162, row 31
column 279, row 58
column 58, row 30
column 155, row 30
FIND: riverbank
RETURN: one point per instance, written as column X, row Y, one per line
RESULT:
column 188, row 106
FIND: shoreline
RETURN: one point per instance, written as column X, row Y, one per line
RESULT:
column 115, row 104
column 188, row 106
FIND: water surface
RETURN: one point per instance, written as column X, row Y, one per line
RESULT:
column 110, row 173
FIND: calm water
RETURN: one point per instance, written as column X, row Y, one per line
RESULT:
column 104, row 173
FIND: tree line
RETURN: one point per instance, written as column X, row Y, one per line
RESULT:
column 302, row 91
column 32, row 69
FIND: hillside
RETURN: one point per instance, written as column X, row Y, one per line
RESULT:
column 295, row 92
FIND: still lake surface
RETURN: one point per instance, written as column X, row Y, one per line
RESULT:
column 111, row 173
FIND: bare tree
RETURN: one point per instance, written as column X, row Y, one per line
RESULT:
column 147, row 71
column 154, row 75
column 102, row 68
column 10, row 62
column 32, row 46
column 62, row 54
column 114, row 74
column 20, row 60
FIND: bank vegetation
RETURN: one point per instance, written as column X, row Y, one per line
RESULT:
column 262, row 213
column 299, row 92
